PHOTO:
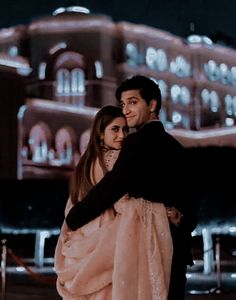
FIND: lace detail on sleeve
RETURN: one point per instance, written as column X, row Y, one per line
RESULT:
column 110, row 158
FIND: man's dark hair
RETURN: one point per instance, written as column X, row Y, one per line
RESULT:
column 148, row 89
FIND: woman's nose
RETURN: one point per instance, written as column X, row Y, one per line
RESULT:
column 121, row 134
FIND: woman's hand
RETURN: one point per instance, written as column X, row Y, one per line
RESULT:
column 174, row 215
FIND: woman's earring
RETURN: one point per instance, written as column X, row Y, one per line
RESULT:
column 101, row 142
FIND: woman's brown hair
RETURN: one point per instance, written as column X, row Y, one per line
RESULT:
column 81, row 181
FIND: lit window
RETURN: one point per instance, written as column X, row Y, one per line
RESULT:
column 77, row 82
column 151, row 58
column 13, row 51
column 211, row 70
column 186, row 122
column 176, row 117
column 185, row 96
column 214, row 101
column 39, row 142
column 70, row 83
column 163, row 87
column 42, row 70
column 233, row 75
column 205, row 97
column 65, row 140
column 224, row 74
column 229, row 122
column 98, row 69
column 228, row 105
column 180, row 67
column 63, row 81
column 161, row 59
column 234, row 105
column 132, row 54
column 175, row 93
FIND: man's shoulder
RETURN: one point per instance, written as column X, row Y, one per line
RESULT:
column 152, row 132
column 150, row 127
column 132, row 138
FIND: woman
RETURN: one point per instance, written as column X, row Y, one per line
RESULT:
column 126, row 252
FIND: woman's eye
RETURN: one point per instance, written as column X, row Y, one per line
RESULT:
column 115, row 129
column 126, row 129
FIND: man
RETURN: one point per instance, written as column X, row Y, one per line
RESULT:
column 151, row 165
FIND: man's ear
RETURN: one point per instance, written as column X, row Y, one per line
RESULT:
column 153, row 105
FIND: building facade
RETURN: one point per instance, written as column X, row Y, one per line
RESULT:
column 57, row 71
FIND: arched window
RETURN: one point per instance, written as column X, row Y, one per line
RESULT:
column 132, row 54
column 39, row 142
column 70, row 78
column 65, row 146
column 77, row 82
column 63, row 82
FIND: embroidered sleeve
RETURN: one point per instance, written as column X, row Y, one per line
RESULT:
column 110, row 158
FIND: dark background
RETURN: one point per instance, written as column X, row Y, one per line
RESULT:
column 214, row 18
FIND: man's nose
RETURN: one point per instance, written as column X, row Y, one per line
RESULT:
column 125, row 109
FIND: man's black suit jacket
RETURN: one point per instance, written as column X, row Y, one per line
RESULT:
column 152, row 164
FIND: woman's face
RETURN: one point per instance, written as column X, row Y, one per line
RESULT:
column 115, row 133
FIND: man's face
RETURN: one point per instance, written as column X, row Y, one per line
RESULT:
column 136, row 109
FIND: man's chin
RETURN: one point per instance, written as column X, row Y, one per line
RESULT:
column 131, row 124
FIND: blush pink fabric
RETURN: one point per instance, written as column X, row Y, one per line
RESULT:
column 124, row 254
column 118, row 256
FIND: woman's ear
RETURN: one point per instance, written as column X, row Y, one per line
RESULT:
column 101, row 136
column 101, row 139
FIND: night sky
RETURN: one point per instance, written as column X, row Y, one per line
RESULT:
column 215, row 18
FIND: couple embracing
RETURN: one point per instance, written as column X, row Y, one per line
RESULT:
column 130, row 214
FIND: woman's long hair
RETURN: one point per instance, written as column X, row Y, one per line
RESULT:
column 81, row 181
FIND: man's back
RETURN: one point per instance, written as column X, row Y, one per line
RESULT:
column 150, row 165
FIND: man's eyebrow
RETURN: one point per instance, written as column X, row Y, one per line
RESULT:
column 130, row 98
